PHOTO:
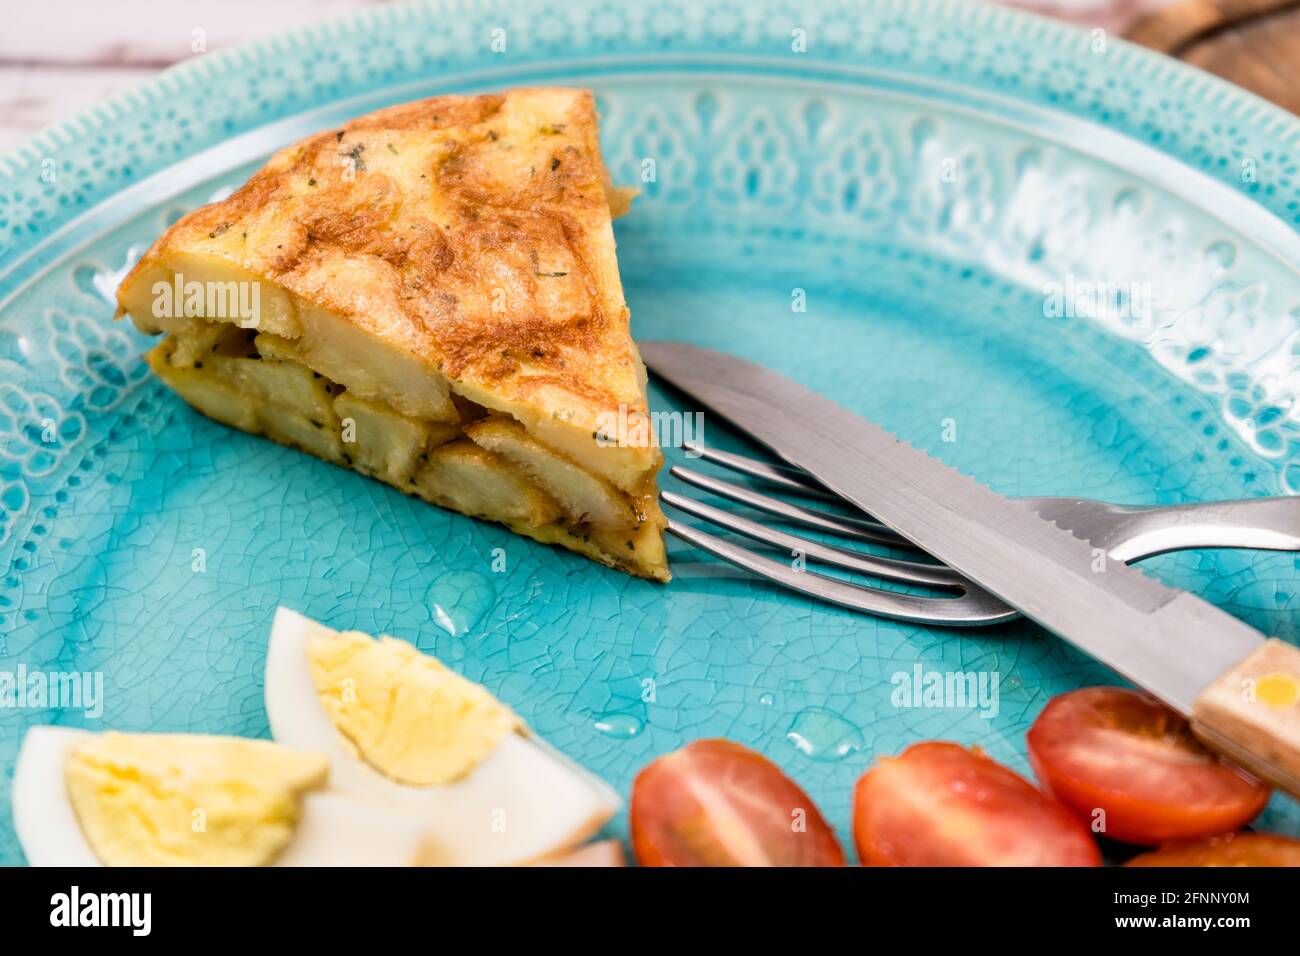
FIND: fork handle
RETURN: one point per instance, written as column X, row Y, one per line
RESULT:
column 1252, row 714
column 1268, row 523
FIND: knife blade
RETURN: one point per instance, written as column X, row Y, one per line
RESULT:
column 1170, row 642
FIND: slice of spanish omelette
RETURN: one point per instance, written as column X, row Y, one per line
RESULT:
column 429, row 295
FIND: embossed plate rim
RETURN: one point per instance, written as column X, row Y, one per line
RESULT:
column 1205, row 193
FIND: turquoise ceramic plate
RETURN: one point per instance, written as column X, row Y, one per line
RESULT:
column 936, row 184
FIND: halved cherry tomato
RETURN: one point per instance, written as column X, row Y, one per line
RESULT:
column 940, row 804
column 1234, row 849
column 717, row 803
column 1123, row 752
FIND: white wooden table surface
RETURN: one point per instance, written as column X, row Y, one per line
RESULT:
column 60, row 56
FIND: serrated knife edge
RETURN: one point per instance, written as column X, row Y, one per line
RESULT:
column 1168, row 641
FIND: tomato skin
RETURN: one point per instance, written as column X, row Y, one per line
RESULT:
column 1123, row 752
column 1233, row 849
column 941, row 804
column 718, row 803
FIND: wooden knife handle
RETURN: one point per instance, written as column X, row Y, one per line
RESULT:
column 1252, row 714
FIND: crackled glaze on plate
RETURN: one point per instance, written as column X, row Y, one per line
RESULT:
column 916, row 180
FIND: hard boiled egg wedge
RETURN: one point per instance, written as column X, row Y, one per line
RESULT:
column 416, row 739
column 110, row 799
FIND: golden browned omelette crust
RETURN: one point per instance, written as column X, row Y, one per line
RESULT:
column 471, row 236
column 414, row 220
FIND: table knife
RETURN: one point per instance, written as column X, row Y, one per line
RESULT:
column 1240, row 691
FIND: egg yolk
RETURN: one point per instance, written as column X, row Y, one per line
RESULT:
column 404, row 712
column 188, row 799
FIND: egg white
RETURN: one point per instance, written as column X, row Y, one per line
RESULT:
column 600, row 853
column 331, row 831
column 523, row 802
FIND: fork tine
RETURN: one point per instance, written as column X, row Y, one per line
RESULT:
column 785, row 477
column 974, row 608
column 909, row 572
column 859, row 529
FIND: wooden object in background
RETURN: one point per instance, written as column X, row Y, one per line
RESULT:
column 1253, row 43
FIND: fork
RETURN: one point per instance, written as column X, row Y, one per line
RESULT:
column 1124, row 533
